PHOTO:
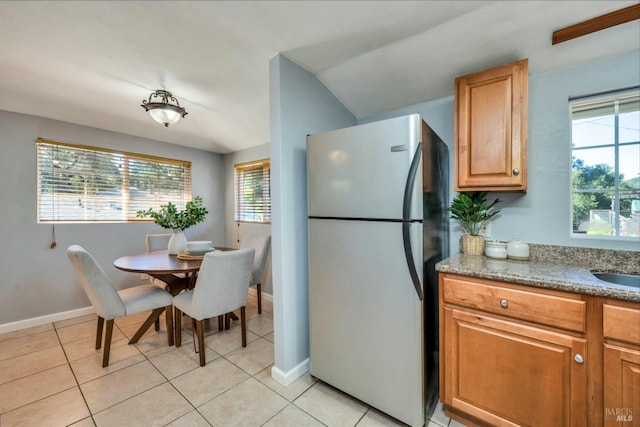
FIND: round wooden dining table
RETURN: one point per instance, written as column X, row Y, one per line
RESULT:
column 162, row 266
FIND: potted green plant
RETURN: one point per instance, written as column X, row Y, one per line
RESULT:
column 168, row 216
column 473, row 211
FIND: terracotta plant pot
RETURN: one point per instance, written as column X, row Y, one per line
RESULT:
column 472, row 245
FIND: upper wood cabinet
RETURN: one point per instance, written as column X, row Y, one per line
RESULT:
column 491, row 129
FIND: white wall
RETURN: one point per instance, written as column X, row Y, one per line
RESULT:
column 235, row 231
column 299, row 105
column 542, row 215
column 38, row 281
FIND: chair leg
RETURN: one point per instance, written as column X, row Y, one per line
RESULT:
column 99, row 333
column 194, row 332
column 259, row 292
column 157, row 324
column 107, row 343
column 169, row 310
column 146, row 325
column 220, row 322
column 243, row 326
column 200, row 328
column 227, row 321
column 178, row 327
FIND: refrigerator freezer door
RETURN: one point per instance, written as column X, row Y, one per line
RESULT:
column 361, row 171
column 366, row 321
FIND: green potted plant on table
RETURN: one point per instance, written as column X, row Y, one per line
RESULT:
column 473, row 211
column 168, row 216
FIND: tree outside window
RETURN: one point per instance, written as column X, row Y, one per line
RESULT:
column 253, row 192
column 89, row 184
column 605, row 159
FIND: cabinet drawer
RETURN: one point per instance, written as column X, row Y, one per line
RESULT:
column 533, row 306
column 621, row 323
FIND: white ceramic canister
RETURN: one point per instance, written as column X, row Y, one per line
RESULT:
column 495, row 249
column 518, row 250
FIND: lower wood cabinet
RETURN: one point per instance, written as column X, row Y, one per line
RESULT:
column 621, row 331
column 621, row 386
column 505, row 373
column 514, row 355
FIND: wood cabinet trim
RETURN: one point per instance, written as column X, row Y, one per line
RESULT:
column 612, row 365
column 621, row 376
column 513, row 148
column 618, row 323
column 570, row 387
column 539, row 307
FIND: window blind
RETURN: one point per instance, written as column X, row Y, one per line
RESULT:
column 253, row 192
column 79, row 183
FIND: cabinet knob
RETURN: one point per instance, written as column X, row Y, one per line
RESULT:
column 516, row 171
column 504, row 303
column 578, row 358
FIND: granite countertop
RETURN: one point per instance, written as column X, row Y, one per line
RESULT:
column 560, row 268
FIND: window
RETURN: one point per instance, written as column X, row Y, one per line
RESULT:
column 87, row 184
column 605, row 157
column 253, row 191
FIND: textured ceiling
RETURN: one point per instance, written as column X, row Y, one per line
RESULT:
column 93, row 62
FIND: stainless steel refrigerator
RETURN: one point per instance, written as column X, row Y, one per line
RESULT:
column 377, row 226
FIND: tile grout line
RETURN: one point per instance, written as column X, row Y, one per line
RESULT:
column 146, row 357
column 66, row 357
column 251, row 376
column 79, row 385
column 24, row 354
column 168, row 380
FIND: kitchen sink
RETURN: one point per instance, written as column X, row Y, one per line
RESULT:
column 632, row 280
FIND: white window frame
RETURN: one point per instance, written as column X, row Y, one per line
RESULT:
column 108, row 179
column 594, row 102
column 257, row 209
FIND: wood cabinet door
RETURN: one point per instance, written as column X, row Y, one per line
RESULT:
column 510, row 374
column 621, row 386
column 491, row 129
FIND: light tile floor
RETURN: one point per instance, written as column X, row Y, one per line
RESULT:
column 51, row 375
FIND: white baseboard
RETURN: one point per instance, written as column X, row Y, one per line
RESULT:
column 267, row 297
column 286, row 378
column 56, row 317
column 49, row 318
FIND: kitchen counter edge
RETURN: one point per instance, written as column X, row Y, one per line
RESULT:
column 558, row 276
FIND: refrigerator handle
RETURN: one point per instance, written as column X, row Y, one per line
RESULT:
column 406, row 217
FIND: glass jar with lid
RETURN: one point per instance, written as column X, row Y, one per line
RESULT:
column 495, row 249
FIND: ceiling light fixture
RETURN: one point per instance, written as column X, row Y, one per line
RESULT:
column 161, row 108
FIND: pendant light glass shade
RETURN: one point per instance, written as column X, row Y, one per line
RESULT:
column 162, row 110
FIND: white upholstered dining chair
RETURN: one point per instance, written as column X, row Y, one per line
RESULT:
column 157, row 242
column 221, row 287
column 261, row 244
column 111, row 304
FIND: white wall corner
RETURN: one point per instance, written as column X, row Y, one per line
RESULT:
column 286, row 378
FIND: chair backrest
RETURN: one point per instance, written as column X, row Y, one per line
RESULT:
column 261, row 243
column 96, row 284
column 157, row 242
column 223, row 282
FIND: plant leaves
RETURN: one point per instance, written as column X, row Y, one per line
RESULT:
column 472, row 210
column 168, row 215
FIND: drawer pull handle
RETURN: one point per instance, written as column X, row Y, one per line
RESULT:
column 504, row 303
column 578, row 358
